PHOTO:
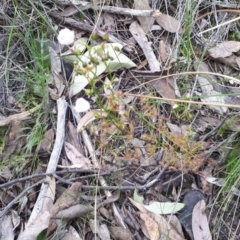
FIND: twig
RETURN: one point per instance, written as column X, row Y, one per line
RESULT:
column 52, row 165
column 143, row 187
column 20, row 116
column 124, row 188
column 214, row 130
column 23, row 179
column 114, row 10
column 128, row 11
column 9, row 206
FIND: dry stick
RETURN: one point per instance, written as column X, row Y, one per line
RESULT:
column 52, row 165
column 127, row 11
column 23, row 179
column 143, row 187
column 19, row 116
column 10, row 205
column 123, row 188
column 147, row 185
column 89, row 28
column 215, row 129
column 114, row 10
column 220, row 25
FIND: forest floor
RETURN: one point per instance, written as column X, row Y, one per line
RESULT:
column 119, row 119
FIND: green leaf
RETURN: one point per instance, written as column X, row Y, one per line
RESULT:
column 137, row 198
column 121, row 61
column 78, row 84
column 164, row 207
column 108, row 58
column 78, row 46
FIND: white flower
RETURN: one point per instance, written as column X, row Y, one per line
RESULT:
column 82, row 105
column 66, row 37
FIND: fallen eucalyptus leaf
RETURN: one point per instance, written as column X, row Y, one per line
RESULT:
column 164, row 207
column 168, row 23
column 224, row 49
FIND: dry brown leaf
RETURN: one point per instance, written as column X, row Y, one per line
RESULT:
column 74, row 138
column 238, row 61
column 165, row 87
column 175, row 225
column 145, row 22
column 168, row 23
column 46, row 143
column 15, row 140
column 184, row 130
column 200, row 222
column 167, row 230
column 139, row 206
column 109, row 22
column 69, row 198
column 151, row 226
column 59, row 83
column 162, row 51
column 206, row 186
column 229, row 61
column 143, row 64
column 75, row 211
column 69, row 11
column 89, row 117
column 76, row 157
column 120, row 233
column 100, row 229
column 139, row 35
column 224, row 49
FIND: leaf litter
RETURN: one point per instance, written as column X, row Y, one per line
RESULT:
column 136, row 136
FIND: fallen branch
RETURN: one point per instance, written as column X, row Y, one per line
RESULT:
column 128, row 11
column 23, row 179
column 83, row 5
column 19, row 116
column 52, row 165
